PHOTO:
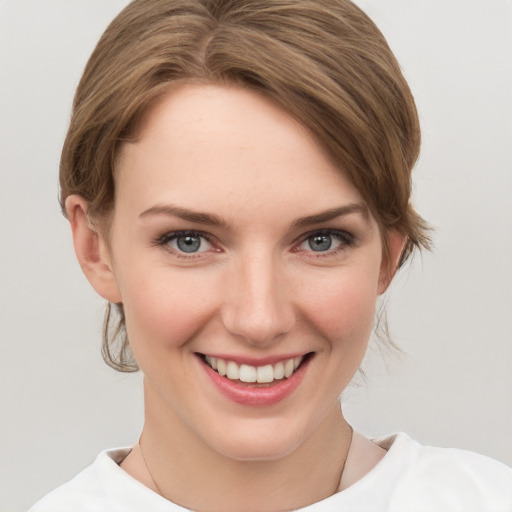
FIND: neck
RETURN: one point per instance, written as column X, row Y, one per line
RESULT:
column 182, row 468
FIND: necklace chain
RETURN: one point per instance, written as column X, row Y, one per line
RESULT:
column 147, row 468
column 162, row 494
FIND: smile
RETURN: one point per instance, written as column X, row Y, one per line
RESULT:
column 264, row 384
column 265, row 374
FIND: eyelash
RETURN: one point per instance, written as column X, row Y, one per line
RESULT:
column 346, row 239
column 174, row 235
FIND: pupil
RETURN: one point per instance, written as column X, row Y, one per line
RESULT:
column 320, row 242
column 188, row 243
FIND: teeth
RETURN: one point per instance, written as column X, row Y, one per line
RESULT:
column 265, row 374
column 279, row 371
column 288, row 368
column 247, row 373
column 260, row 374
column 233, row 371
column 221, row 366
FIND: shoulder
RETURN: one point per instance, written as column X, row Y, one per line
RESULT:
column 73, row 493
column 415, row 478
column 444, row 461
column 103, row 486
column 449, row 478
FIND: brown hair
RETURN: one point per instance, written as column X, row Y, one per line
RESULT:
column 323, row 61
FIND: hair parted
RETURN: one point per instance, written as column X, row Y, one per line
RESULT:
column 323, row 61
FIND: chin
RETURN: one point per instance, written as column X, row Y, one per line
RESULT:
column 246, row 451
column 258, row 442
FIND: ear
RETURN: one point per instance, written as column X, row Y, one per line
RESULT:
column 389, row 266
column 92, row 250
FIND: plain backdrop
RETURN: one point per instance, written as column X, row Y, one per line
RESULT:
column 450, row 312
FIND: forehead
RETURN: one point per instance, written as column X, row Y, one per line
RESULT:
column 202, row 143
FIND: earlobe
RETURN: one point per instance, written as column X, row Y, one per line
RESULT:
column 396, row 243
column 91, row 250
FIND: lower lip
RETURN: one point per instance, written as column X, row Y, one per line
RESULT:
column 257, row 396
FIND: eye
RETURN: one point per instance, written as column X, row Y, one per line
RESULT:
column 187, row 242
column 327, row 241
column 320, row 242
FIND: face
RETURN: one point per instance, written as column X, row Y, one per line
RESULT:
column 237, row 246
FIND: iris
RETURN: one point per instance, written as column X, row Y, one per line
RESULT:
column 188, row 243
column 320, row 242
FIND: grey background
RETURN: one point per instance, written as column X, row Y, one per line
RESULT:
column 450, row 312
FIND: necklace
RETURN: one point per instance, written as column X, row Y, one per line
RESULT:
column 147, row 468
column 338, row 487
column 345, row 457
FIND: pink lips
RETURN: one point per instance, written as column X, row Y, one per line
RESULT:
column 257, row 395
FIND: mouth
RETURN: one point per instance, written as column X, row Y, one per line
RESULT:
column 265, row 384
column 258, row 376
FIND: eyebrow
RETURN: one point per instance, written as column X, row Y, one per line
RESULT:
column 188, row 215
column 214, row 220
column 331, row 214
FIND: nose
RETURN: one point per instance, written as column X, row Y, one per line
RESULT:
column 257, row 306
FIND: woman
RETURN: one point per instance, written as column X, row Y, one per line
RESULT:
column 237, row 179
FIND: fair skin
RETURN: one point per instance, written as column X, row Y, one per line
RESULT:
column 235, row 237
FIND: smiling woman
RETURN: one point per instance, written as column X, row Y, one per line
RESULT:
column 237, row 177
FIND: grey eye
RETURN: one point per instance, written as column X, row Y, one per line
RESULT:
column 184, row 243
column 320, row 242
column 188, row 243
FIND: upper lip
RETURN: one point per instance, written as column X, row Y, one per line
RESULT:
column 255, row 361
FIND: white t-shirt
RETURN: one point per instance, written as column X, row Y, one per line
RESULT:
column 409, row 478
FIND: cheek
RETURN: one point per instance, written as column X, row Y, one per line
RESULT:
column 165, row 310
column 343, row 308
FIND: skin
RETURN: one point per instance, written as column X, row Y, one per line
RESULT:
column 255, row 289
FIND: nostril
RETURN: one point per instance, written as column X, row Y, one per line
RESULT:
column 258, row 325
